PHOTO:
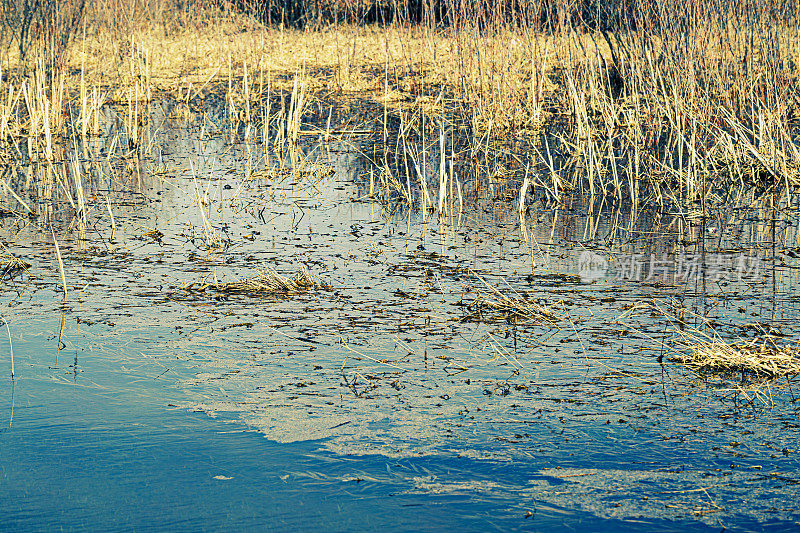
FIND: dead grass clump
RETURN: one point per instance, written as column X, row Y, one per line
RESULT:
column 762, row 359
column 11, row 266
column 154, row 234
column 500, row 307
column 312, row 172
column 508, row 309
column 267, row 281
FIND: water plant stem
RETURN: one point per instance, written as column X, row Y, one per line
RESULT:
column 10, row 346
column 60, row 265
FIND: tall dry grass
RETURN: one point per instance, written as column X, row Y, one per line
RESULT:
column 640, row 101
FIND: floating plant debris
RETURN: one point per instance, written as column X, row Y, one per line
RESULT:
column 506, row 308
column 267, row 281
column 11, row 265
column 763, row 358
column 307, row 171
column 155, row 234
column 496, row 306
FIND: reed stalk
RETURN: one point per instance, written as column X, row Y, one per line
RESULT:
column 111, row 215
column 60, row 265
column 651, row 100
column 442, row 173
column 10, row 347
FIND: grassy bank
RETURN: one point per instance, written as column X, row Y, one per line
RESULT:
column 674, row 102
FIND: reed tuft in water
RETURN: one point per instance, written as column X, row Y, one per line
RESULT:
column 266, row 281
column 764, row 358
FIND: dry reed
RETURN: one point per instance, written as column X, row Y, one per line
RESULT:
column 496, row 306
column 663, row 103
column 267, row 281
column 11, row 265
column 706, row 351
column 761, row 358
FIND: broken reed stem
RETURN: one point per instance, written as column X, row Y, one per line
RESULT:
column 15, row 195
column 111, row 214
column 10, row 346
column 60, row 265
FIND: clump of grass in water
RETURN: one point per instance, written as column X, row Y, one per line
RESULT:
column 706, row 352
column 499, row 306
column 761, row 359
column 11, row 266
column 154, row 234
column 506, row 308
column 267, row 281
column 311, row 171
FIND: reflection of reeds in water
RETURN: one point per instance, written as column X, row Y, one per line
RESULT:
column 77, row 173
column 111, row 216
column 210, row 236
column 60, row 265
column 11, row 351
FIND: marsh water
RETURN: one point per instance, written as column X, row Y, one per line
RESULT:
column 479, row 370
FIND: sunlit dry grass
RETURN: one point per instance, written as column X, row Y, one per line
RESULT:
column 663, row 110
column 764, row 358
column 266, row 281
